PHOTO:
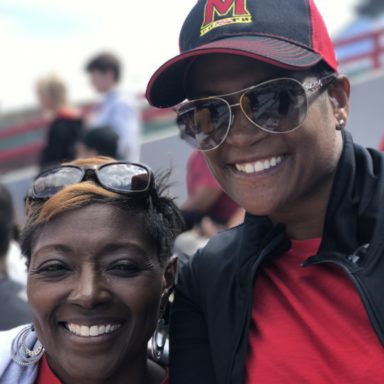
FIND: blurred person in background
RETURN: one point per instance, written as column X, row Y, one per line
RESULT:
column 14, row 308
column 65, row 122
column 15, row 262
column 98, row 239
column 381, row 144
column 100, row 141
column 118, row 110
column 207, row 209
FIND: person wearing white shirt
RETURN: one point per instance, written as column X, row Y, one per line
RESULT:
column 118, row 110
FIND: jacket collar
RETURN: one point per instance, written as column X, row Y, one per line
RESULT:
column 355, row 214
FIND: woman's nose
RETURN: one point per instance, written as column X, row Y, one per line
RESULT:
column 242, row 132
column 89, row 289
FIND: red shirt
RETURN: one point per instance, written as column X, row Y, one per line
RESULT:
column 309, row 325
column 46, row 376
column 381, row 146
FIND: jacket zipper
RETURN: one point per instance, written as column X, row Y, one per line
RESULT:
column 246, row 319
column 360, row 289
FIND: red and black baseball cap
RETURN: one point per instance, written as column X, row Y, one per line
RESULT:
column 289, row 34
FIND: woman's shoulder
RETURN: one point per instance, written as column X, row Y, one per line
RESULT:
column 6, row 338
column 11, row 372
column 220, row 260
column 212, row 265
column 220, row 247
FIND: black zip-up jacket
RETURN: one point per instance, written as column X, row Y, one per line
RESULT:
column 212, row 310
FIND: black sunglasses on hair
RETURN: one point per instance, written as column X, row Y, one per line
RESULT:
column 125, row 178
column 275, row 106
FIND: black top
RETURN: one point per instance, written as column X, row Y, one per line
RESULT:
column 63, row 133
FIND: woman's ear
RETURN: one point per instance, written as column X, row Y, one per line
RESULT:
column 168, row 282
column 338, row 94
column 169, row 274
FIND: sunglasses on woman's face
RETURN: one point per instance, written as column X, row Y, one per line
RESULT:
column 275, row 106
column 130, row 179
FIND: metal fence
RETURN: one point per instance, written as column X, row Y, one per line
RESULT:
column 22, row 133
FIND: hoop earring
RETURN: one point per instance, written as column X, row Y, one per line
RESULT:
column 20, row 352
column 158, row 345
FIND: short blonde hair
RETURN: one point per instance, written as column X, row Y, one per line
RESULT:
column 54, row 89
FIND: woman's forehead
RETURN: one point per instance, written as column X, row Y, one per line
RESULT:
column 97, row 221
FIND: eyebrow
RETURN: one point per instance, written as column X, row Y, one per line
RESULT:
column 59, row 248
column 113, row 247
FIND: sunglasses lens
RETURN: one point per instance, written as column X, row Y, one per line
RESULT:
column 124, row 178
column 204, row 123
column 50, row 182
column 277, row 106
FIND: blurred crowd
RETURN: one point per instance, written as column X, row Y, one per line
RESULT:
column 112, row 128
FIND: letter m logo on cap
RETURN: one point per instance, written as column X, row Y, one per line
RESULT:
column 218, row 13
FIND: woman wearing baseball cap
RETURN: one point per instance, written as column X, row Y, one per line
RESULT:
column 295, row 293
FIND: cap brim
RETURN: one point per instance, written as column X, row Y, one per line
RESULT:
column 166, row 87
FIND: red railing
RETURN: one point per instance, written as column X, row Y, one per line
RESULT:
column 27, row 153
column 21, row 153
column 374, row 38
column 19, row 129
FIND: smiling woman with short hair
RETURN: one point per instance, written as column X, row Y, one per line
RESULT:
column 98, row 239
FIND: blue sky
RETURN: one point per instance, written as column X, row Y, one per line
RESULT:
column 45, row 36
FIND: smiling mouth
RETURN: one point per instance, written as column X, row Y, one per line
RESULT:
column 259, row 165
column 91, row 331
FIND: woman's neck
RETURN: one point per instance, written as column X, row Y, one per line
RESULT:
column 147, row 372
column 305, row 219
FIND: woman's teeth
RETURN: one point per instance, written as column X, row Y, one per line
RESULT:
column 93, row 330
column 260, row 165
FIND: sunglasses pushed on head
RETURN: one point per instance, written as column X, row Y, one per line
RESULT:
column 131, row 179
